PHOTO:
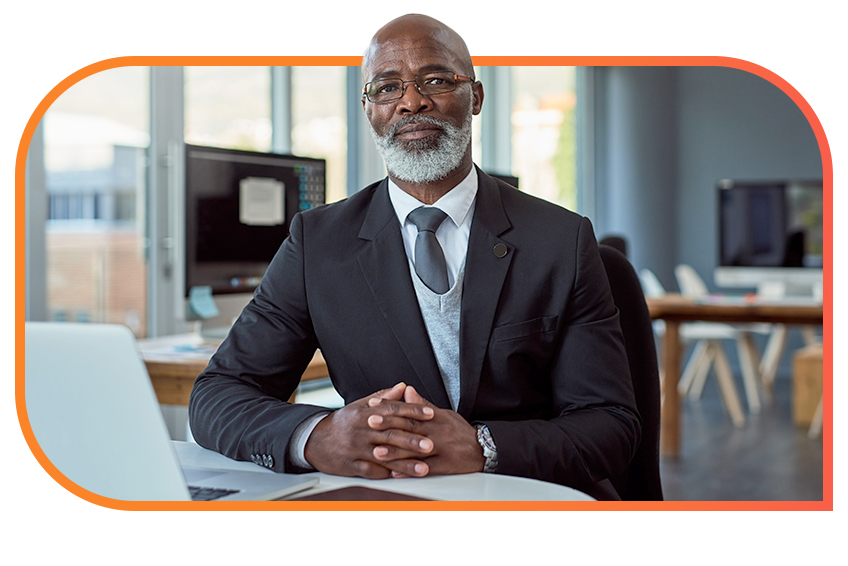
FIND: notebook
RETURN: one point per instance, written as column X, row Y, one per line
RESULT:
column 93, row 411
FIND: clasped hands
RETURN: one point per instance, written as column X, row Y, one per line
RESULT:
column 394, row 433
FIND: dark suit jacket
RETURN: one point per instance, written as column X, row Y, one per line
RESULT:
column 542, row 357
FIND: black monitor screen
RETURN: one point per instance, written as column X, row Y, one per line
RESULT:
column 239, row 205
column 770, row 224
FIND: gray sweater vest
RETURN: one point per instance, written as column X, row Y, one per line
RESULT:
column 441, row 315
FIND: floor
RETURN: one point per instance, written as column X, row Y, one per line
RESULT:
column 769, row 459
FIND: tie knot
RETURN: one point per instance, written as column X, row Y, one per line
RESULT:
column 427, row 218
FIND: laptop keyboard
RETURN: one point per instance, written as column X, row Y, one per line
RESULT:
column 208, row 493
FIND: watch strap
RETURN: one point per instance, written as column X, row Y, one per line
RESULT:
column 490, row 450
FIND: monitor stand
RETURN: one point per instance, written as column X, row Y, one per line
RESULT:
column 215, row 329
column 212, row 333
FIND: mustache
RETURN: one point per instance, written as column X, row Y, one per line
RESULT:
column 407, row 120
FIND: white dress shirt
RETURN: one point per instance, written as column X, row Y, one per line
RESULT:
column 452, row 235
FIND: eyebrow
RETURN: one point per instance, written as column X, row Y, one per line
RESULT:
column 393, row 73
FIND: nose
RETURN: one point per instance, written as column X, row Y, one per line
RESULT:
column 412, row 101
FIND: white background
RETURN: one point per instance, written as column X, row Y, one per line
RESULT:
column 43, row 42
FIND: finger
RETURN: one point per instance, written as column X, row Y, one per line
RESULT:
column 387, row 453
column 405, row 411
column 393, row 394
column 388, row 422
column 369, row 470
column 407, row 468
column 410, row 395
column 414, row 443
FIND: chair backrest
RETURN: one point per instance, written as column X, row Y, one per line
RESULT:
column 651, row 283
column 641, row 481
column 615, row 241
column 690, row 283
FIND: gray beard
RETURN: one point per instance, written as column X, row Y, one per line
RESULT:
column 426, row 160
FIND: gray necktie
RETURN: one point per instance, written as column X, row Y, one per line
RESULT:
column 429, row 257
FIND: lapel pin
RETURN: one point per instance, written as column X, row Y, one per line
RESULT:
column 500, row 250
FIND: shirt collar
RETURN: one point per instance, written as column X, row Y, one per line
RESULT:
column 456, row 203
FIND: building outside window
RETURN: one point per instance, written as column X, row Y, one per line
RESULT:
column 95, row 142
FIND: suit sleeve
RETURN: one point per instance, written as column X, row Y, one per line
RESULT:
column 595, row 428
column 239, row 406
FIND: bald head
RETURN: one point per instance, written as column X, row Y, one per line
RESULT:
column 414, row 30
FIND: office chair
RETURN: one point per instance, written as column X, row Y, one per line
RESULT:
column 641, row 481
column 617, row 242
column 691, row 285
column 707, row 352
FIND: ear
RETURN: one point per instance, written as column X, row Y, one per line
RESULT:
column 477, row 89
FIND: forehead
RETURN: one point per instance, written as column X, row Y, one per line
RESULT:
column 408, row 56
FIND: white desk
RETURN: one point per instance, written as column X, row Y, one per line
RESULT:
column 464, row 487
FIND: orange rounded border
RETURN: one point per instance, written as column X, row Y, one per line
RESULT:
column 20, row 252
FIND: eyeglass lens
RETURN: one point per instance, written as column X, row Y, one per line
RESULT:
column 392, row 89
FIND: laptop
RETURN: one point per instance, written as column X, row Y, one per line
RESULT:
column 93, row 411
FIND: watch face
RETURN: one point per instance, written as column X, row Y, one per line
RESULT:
column 486, row 438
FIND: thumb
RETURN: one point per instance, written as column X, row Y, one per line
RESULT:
column 410, row 395
column 393, row 394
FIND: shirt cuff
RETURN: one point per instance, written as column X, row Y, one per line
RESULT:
column 297, row 445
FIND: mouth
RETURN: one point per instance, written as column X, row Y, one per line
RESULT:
column 417, row 131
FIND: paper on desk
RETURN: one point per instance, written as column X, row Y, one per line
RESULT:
column 181, row 352
column 261, row 201
column 201, row 302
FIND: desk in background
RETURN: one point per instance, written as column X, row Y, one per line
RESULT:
column 174, row 362
column 675, row 309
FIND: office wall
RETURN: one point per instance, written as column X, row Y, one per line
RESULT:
column 664, row 136
column 732, row 124
column 636, row 161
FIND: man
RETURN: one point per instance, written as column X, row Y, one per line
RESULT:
column 487, row 341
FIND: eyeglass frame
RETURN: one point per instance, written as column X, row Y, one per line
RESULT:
column 458, row 78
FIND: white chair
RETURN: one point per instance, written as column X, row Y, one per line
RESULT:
column 774, row 350
column 691, row 285
column 707, row 337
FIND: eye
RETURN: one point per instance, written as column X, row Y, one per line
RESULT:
column 435, row 81
column 385, row 88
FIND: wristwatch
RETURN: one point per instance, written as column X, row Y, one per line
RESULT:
column 490, row 451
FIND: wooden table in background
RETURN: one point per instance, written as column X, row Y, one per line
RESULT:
column 675, row 309
column 173, row 374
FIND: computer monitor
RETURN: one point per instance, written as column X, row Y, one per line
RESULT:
column 770, row 235
column 239, row 206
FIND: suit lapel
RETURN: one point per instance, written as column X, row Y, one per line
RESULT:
column 485, row 273
column 385, row 266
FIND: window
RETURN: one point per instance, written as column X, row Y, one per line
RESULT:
column 228, row 107
column 319, row 122
column 543, row 133
column 95, row 142
column 97, row 134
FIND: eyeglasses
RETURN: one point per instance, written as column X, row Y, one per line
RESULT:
column 388, row 90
